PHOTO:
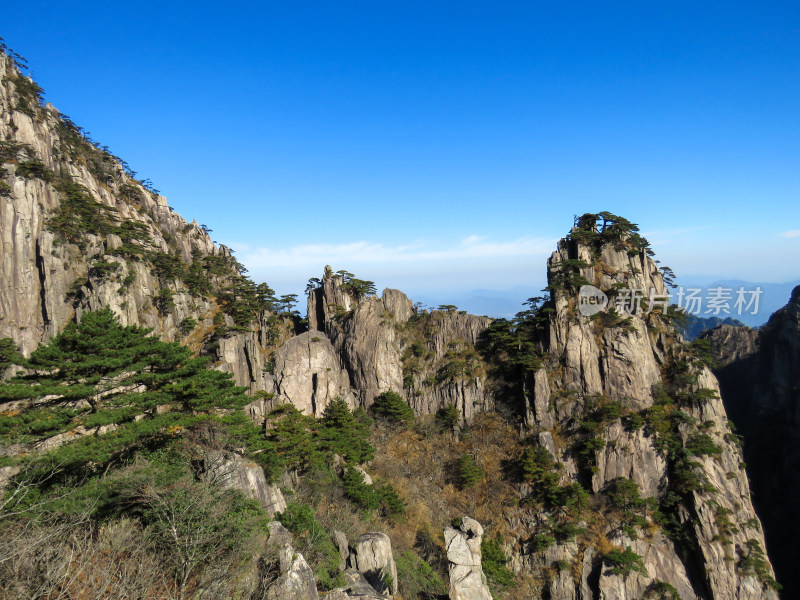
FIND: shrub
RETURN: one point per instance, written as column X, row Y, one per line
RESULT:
column 315, row 544
column 164, row 300
column 187, row 325
column 416, row 578
column 467, row 471
column 392, row 407
column 660, row 590
column 448, row 416
column 345, row 432
column 624, row 562
column 78, row 214
column 493, row 562
column 702, row 444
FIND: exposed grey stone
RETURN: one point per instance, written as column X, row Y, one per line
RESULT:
column 467, row 581
column 233, row 471
column 371, row 555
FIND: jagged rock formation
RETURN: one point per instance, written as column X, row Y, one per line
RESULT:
column 357, row 588
column 467, row 581
column 606, row 391
column 371, row 555
column 309, row 374
column 79, row 233
column 230, row 470
column 759, row 374
column 295, row 580
column 385, row 345
column 634, row 483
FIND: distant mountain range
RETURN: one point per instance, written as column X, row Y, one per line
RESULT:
column 506, row 303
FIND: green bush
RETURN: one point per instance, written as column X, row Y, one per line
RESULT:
column 416, row 578
column 314, row 543
column 392, row 407
column 702, row 444
column 164, row 300
column 448, row 416
column 624, row 562
column 467, row 471
column 78, row 214
column 345, row 432
column 187, row 325
column 493, row 562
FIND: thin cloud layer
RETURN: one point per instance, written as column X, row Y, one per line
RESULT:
column 365, row 252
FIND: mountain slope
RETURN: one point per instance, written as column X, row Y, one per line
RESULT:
column 759, row 373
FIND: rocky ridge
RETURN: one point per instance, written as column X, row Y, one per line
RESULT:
column 759, row 374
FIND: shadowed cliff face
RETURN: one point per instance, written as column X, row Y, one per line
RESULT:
column 759, row 373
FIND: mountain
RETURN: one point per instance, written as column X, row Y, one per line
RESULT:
column 169, row 428
column 696, row 325
column 759, row 374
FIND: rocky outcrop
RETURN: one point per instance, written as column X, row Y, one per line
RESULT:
column 356, row 588
column 295, row 579
column 232, row 471
column 309, row 374
column 594, row 404
column 374, row 337
column 467, row 581
column 759, row 375
column 127, row 256
column 371, row 555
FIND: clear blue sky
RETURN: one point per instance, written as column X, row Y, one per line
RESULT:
column 436, row 146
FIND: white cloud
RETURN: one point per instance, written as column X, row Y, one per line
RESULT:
column 473, row 239
column 364, row 252
column 791, row 234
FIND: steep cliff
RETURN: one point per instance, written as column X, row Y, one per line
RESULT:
column 759, row 374
column 386, row 344
column 619, row 404
column 79, row 232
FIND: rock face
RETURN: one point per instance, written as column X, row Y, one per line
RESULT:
column 309, row 374
column 759, row 374
column 135, row 254
column 374, row 338
column 467, row 581
column 296, row 579
column 357, row 588
column 610, row 390
column 371, row 555
column 235, row 472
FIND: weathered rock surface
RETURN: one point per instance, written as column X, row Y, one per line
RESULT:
column 296, row 579
column 356, row 588
column 46, row 283
column 619, row 360
column 371, row 555
column 372, row 337
column 759, row 375
column 309, row 374
column 230, row 470
column 467, row 581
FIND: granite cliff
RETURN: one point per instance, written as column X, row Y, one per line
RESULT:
column 759, row 374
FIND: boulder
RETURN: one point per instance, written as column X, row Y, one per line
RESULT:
column 467, row 581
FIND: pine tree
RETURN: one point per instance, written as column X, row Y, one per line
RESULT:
column 468, row 472
column 391, row 405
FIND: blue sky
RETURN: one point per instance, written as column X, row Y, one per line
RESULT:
column 440, row 147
